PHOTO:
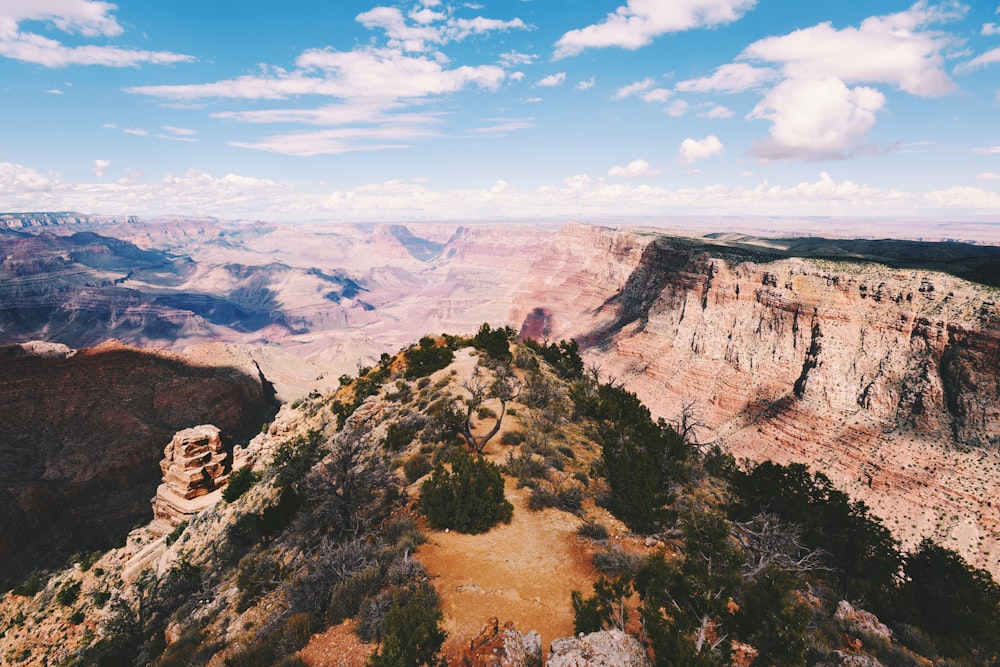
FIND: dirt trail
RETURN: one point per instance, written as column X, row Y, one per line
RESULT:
column 522, row 572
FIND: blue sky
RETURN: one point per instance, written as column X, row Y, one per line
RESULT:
column 430, row 109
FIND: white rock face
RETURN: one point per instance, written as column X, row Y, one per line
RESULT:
column 607, row 648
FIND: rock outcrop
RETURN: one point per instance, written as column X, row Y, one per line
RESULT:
column 505, row 646
column 81, row 437
column 194, row 466
column 607, row 648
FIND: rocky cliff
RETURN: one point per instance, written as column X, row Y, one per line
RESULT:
column 886, row 379
column 81, row 436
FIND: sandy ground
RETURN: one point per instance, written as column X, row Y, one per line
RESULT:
column 522, row 572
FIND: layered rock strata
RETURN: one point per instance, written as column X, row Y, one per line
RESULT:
column 193, row 466
column 885, row 379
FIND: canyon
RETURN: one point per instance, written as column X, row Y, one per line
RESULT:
column 875, row 362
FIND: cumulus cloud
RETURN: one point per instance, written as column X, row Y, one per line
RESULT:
column 824, row 103
column 75, row 17
column 896, row 49
column 990, row 29
column 586, row 84
column 988, row 176
column 553, row 80
column 634, row 169
column 101, row 167
column 199, row 193
column 637, row 23
column 692, row 150
column 815, row 119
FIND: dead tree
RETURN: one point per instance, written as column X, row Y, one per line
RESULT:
column 505, row 387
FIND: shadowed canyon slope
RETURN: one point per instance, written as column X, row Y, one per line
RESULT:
column 81, row 436
column 873, row 361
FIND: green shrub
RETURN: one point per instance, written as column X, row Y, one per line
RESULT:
column 412, row 631
column 512, row 437
column 469, row 499
column 178, row 530
column 30, row 586
column 426, row 358
column 68, row 594
column 240, row 481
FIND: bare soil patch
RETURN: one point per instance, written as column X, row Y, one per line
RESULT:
column 522, row 572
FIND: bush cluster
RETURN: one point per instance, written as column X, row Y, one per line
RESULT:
column 469, row 499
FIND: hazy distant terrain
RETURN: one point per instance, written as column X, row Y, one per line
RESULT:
column 874, row 360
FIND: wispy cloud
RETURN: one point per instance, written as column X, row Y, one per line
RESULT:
column 637, row 23
column 370, row 87
column 552, row 80
column 84, row 17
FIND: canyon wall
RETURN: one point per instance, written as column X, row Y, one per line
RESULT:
column 886, row 379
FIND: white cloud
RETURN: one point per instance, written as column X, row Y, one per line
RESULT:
column 197, row 193
column 677, row 109
column 988, row 176
column 894, row 49
column 101, row 167
column 633, row 89
column 730, row 78
column 586, row 84
column 132, row 177
column 136, row 131
column 54, row 91
column 553, row 80
column 83, row 17
column 644, row 90
column 638, row 22
column 500, row 127
column 990, row 29
column 429, row 27
column 516, row 76
column 820, row 110
column 692, row 150
column 988, row 58
column 815, row 119
column 634, row 169
column 180, row 131
column 989, row 150
column 718, row 111
column 514, row 58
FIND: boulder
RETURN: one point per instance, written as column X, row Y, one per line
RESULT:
column 502, row 647
column 863, row 620
column 607, row 648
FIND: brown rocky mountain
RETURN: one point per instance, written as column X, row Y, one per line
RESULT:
column 874, row 361
column 81, row 436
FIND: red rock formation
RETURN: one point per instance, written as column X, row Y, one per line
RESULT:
column 193, row 465
column 80, row 438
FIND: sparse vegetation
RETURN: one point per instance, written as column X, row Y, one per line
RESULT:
column 469, row 498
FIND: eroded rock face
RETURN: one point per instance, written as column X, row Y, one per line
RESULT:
column 883, row 378
column 194, row 465
column 607, row 648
